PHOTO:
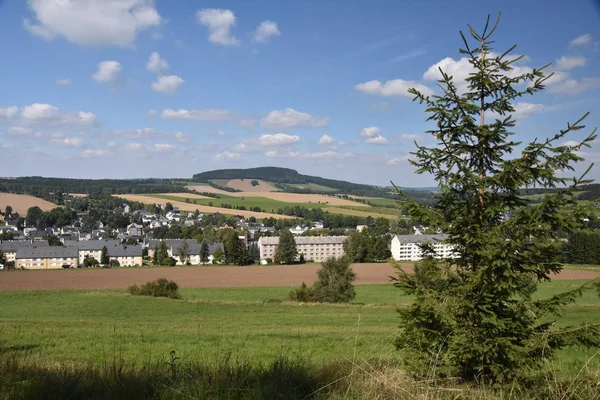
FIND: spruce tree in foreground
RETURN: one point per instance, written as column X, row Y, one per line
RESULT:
column 335, row 281
column 287, row 248
column 476, row 320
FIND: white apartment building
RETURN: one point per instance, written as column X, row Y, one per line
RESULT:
column 314, row 248
column 406, row 247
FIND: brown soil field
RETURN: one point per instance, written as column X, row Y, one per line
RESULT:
column 22, row 202
column 285, row 197
column 346, row 211
column 183, row 206
column 189, row 277
column 246, row 185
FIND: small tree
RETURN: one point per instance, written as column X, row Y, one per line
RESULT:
column 114, row 263
column 184, row 252
column 218, row 256
column 8, row 210
column 287, row 248
column 477, row 321
column 104, row 258
column 163, row 257
column 90, row 262
column 53, row 240
column 335, row 282
column 204, row 252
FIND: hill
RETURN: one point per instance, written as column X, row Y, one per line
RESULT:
column 292, row 181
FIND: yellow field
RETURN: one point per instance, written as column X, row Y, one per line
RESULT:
column 183, row 206
column 21, row 202
column 346, row 211
column 185, row 195
column 246, row 185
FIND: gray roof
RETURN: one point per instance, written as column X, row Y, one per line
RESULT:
column 47, row 252
column 153, row 243
column 421, row 238
column 271, row 240
column 11, row 246
column 84, row 245
column 194, row 248
column 125, row 251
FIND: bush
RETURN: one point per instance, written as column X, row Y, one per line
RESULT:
column 335, row 281
column 158, row 288
column 303, row 294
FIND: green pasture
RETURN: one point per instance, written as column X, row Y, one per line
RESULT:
column 312, row 186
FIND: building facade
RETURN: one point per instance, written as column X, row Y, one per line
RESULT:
column 314, row 248
column 407, row 247
column 46, row 257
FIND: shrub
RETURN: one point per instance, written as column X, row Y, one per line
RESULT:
column 158, row 288
column 303, row 294
column 335, row 281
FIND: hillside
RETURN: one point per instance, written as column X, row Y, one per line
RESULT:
column 290, row 180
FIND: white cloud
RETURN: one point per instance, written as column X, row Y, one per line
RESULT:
column 46, row 113
column 111, row 144
column 524, row 110
column 180, row 137
column 152, row 113
column 395, row 87
column 69, row 142
column 108, row 71
column 567, row 62
column 574, row 86
column 161, row 148
column 377, row 140
column 581, row 40
column 167, row 84
column 285, row 154
column 290, row 118
column 94, row 153
column 326, row 140
column 20, row 130
column 219, row 23
column 370, row 132
column 133, row 146
column 92, row 22
column 212, row 114
column 8, row 112
column 247, row 123
column 135, row 133
column 226, row 155
column 557, row 76
column 265, row 30
column 278, row 139
column 325, row 155
column 63, row 82
column 156, row 64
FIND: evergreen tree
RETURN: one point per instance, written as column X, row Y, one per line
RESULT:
column 163, row 258
column 287, row 248
column 184, row 252
column 8, row 210
column 155, row 256
column 235, row 252
column 476, row 321
column 218, row 255
column 53, row 240
column 334, row 282
column 204, row 252
column 104, row 258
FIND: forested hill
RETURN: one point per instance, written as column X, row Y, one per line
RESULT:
column 284, row 177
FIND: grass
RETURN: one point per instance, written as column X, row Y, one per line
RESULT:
column 358, row 213
column 312, row 186
column 583, row 267
column 377, row 211
column 86, row 342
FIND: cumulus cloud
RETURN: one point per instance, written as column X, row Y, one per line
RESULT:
column 369, row 132
column 152, row 113
column 108, row 71
column 20, row 130
column 326, row 140
column 377, row 140
column 226, row 155
column 212, row 114
column 289, row 118
column 575, row 86
column 395, row 87
column 46, row 113
column 219, row 23
column 326, row 155
column 89, row 22
column 143, row 133
column 284, row 154
column 581, row 40
column 94, row 153
column 180, row 137
column 265, row 30
column 63, row 82
column 567, row 62
column 167, row 84
column 247, row 123
column 156, row 64
column 161, row 147
column 8, row 112
column 69, row 142
column 278, row 139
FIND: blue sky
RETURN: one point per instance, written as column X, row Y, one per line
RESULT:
column 140, row 88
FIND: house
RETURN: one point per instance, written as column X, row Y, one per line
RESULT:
column 408, row 247
column 298, row 230
column 315, row 248
column 126, row 209
column 194, row 249
column 135, row 229
column 318, row 225
column 10, row 228
column 69, row 230
column 155, row 224
column 173, row 216
column 127, row 256
column 46, row 257
column 85, row 235
column 92, row 248
column 10, row 247
column 360, row 228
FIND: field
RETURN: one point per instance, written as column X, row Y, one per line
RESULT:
column 312, row 186
column 183, row 206
column 22, row 202
column 245, row 185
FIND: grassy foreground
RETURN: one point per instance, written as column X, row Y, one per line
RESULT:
column 98, row 342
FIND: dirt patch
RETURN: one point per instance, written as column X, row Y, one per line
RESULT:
column 208, row 189
column 183, row 206
column 22, row 202
column 190, row 277
column 245, row 185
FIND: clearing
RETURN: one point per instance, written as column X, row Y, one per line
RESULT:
column 245, row 185
column 22, row 202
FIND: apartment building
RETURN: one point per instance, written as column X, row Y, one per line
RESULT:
column 9, row 247
column 314, row 248
column 126, row 255
column 173, row 246
column 407, row 247
column 92, row 248
column 46, row 257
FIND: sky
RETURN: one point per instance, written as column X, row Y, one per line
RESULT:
column 142, row 88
